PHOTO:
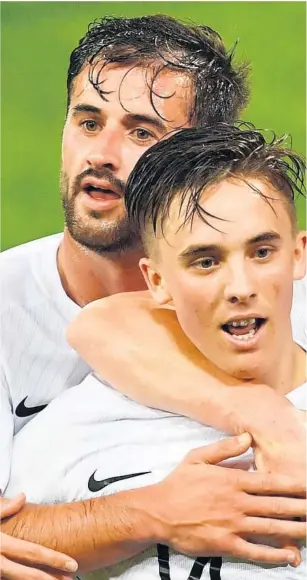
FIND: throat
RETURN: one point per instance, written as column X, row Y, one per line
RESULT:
column 289, row 370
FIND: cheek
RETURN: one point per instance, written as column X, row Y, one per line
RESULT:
column 75, row 148
column 68, row 150
column 194, row 302
column 282, row 293
column 276, row 286
column 131, row 154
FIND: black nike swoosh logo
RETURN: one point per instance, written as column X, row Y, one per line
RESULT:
column 95, row 485
column 23, row 411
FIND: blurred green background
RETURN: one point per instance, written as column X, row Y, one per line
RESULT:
column 37, row 38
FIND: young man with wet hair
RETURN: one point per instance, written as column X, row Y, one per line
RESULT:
column 215, row 210
column 131, row 82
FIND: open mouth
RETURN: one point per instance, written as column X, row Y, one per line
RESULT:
column 101, row 193
column 244, row 329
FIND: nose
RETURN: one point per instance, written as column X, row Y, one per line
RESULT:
column 105, row 151
column 240, row 286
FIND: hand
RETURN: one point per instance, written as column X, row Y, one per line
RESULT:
column 278, row 430
column 203, row 509
column 27, row 561
column 280, row 446
column 285, row 451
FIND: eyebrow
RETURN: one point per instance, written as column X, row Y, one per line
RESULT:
column 265, row 237
column 129, row 118
column 148, row 119
column 86, row 109
column 195, row 250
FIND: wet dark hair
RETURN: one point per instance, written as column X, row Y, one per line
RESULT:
column 219, row 89
column 193, row 159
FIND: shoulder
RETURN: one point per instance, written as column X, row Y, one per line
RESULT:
column 21, row 267
column 24, row 254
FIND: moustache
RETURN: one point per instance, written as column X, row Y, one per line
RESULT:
column 105, row 174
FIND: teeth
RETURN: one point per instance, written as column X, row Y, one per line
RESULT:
column 242, row 323
column 247, row 336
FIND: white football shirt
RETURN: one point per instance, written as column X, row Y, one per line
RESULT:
column 36, row 363
column 92, row 441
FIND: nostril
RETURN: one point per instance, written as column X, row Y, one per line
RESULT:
column 233, row 300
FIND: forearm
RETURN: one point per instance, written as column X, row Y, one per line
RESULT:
column 183, row 381
column 256, row 409
column 96, row 533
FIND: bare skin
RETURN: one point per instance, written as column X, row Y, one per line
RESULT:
column 25, row 553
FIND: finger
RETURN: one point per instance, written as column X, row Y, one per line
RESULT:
column 282, row 507
column 270, row 527
column 280, row 542
column 225, row 449
column 9, row 507
column 13, row 571
column 269, row 484
column 57, row 575
column 34, row 554
column 266, row 554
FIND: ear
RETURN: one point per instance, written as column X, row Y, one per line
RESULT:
column 155, row 281
column 299, row 269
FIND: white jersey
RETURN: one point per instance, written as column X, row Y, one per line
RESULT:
column 37, row 366
column 92, row 441
column 36, row 363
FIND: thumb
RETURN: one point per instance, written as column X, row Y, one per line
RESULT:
column 9, row 507
column 227, row 448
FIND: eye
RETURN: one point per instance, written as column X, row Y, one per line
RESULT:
column 90, row 125
column 143, row 135
column 206, row 263
column 263, row 253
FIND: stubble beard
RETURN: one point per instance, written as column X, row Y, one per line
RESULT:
column 94, row 231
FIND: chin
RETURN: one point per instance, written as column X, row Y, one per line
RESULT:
column 243, row 375
column 246, row 367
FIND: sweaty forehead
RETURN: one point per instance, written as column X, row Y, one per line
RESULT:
column 136, row 90
column 239, row 210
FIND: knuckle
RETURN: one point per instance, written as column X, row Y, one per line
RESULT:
column 265, row 483
column 239, row 524
column 276, row 507
column 236, row 478
column 30, row 551
column 231, row 545
column 269, row 528
column 7, row 544
column 192, row 456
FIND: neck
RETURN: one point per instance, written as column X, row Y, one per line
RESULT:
column 87, row 276
column 287, row 367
